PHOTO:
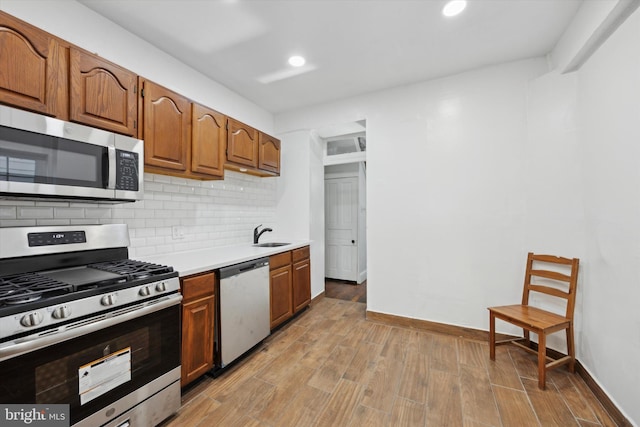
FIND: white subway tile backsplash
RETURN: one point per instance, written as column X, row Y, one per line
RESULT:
column 75, row 212
column 16, row 203
column 213, row 213
column 8, row 212
column 57, row 222
column 34, row 212
column 17, row 222
column 97, row 213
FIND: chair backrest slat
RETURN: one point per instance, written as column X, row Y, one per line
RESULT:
column 568, row 281
column 549, row 291
column 552, row 258
column 551, row 275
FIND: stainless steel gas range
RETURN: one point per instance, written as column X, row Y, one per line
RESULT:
column 82, row 324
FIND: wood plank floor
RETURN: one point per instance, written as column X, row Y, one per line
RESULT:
column 331, row 367
column 348, row 291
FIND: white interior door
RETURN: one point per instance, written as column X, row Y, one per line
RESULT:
column 341, row 228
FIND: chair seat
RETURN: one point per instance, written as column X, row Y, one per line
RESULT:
column 531, row 317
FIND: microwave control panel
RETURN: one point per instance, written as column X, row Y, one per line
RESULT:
column 127, row 173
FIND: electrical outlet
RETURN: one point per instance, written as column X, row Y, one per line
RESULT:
column 177, row 232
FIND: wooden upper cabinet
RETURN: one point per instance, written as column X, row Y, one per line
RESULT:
column 166, row 127
column 208, row 140
column 33, row 68
column 242, row 144
column 269, row 153
column 102, row 94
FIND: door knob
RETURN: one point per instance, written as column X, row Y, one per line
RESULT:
column 353, row 242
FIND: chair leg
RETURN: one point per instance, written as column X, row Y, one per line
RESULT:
column 542, row 360
column 527, row 337
column 492, row 336
column 571, row 350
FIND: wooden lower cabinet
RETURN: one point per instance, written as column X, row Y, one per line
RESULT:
column 198, row 326
column 281, row 295
column 290, row 284
column 301, row 284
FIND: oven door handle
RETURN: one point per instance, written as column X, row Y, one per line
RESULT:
column 77, row 329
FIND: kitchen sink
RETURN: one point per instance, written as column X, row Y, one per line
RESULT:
column 271, row 244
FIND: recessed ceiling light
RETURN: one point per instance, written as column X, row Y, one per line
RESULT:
column 297, row 61
column 454, row 7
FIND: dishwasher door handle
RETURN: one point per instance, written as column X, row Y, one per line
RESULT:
column 244, row 267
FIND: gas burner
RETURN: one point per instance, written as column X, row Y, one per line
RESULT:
column 23, row 299
column 29, row 287
column 132, row 268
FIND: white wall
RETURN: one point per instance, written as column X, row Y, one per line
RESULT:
column 445, row 202
column 362, row 223
column 608, row 88
column 316, row 217
column 294, row 186
column 300, row 210
column 468, row 173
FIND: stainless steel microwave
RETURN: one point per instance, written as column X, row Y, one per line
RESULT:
column 45, row 158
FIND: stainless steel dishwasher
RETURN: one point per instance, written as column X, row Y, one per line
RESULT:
column 244, row 308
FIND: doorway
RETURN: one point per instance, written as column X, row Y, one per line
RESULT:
column 345, row 214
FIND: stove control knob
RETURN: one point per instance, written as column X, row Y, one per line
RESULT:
column 61, row 312
column 144, row 291
column 161, row 287
column 109, row 299
column 31, row 319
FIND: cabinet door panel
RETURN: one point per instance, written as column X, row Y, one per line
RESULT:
column 197, row 338
column 269, row 154
column 102, row 94
column 301, row 284
column 280, row 296
column 242, row 144
column 196, row 287
column 208, row 139
column 166, row 127
column 33, row 68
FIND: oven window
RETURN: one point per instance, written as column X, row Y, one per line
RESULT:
column 58, row 379
column 150, row 345
column 30, row 157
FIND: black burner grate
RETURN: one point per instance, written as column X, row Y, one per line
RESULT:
column 132, row 268
column 28, row 287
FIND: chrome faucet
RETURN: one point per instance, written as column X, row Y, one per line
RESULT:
column 257, row 235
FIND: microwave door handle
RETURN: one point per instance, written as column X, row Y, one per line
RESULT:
column 111, row 168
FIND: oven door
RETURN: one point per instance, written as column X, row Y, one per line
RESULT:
column 99, row 373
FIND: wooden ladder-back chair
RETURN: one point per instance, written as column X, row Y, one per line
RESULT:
column 536, row 320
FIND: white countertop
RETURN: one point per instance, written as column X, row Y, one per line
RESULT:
column 201, row 260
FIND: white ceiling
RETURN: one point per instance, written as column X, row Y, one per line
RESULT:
column 351, row 46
